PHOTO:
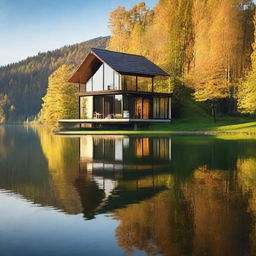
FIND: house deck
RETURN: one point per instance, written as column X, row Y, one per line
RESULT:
column 112, row 121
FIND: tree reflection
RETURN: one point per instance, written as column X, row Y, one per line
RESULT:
column 162, row 224
column 247, row 181
column 169, row 199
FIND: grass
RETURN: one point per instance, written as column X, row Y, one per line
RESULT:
column 224, row 124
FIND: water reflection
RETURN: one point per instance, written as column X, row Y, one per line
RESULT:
column 168, row 196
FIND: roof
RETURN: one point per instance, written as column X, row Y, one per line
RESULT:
column 123, row 63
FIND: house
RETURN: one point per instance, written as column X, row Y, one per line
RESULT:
column 121, row 88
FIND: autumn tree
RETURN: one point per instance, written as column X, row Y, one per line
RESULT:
column 60, row 101
column 247, row 89
column 129, row 28
column 218, row 50
column 3, row 103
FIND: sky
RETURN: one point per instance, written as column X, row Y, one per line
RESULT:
column 31, row 26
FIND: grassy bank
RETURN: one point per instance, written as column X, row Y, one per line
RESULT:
column 224, row 124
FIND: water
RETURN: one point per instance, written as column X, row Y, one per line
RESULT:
column 118, row 195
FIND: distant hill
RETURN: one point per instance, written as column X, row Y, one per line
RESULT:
column 25, row 82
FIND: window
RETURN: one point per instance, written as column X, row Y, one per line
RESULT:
column 160, row 107
column 129, row 106
column 146, row 108
column 109, row 107
column 144, row 84
column 156, row 107
column 108, row 78
column 117, row 81
column 98, row 80
column 86, row 107
column 118, row 106
column 98, row 109
column 88, row 85
column 129, row 83
column 162, row 84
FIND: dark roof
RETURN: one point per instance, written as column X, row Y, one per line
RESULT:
column 123, row 63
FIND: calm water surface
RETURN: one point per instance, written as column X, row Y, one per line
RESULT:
column 125, row 195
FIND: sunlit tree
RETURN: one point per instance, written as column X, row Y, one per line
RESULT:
column 60, row 101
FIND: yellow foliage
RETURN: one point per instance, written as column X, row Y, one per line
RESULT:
column 60, row 101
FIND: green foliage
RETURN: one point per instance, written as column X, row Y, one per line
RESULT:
column 60, row 101
column 26, row 82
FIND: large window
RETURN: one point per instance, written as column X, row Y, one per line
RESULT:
column 156, row 104
column 117, row 81
column 138, row 108
column 146, row 108
column 160, row 107
column 162, row 84
column 86, row 107
column 129, row 106
column 98, row 108
column 97, row 80
column 109, row 106
column 144, row 84
column 129, row 83
column 118, row 106
column 108, row 78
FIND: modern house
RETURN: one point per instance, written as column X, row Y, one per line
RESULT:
column 117, row 87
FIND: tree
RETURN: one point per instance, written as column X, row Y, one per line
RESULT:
column 247, row 89
column 60, row 101
column 3, row 103
column 218, row 50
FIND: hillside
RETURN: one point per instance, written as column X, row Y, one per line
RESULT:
column 25, row 82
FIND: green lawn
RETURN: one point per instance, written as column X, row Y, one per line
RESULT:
column 225, row 124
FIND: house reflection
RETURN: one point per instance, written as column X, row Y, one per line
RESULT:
column 115, row 153
column 126, row 169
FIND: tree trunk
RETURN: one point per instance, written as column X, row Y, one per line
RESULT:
column 213, row 111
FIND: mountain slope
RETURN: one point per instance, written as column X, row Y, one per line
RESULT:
column 25, row 82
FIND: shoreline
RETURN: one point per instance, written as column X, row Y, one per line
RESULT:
column 153, row 132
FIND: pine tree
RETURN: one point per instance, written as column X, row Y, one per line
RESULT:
column 60, row 101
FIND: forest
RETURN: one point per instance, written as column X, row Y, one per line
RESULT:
column 23, row 84
column 207, row 46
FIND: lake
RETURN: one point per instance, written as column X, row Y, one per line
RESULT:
column 125, row 195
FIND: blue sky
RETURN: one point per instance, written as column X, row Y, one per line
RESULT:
column 30, row 26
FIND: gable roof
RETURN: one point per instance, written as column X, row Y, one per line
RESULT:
column 123, row 63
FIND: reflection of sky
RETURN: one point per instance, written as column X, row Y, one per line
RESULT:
column 26, row 229
column 29, row 26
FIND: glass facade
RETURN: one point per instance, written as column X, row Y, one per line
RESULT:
column 160, row 107
column 97, row 80
column 125, row 106
column 118, row 106
column 129, row 83
column 144, row 84
column 108, row 78
column 86, row 107
column 117, row 81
